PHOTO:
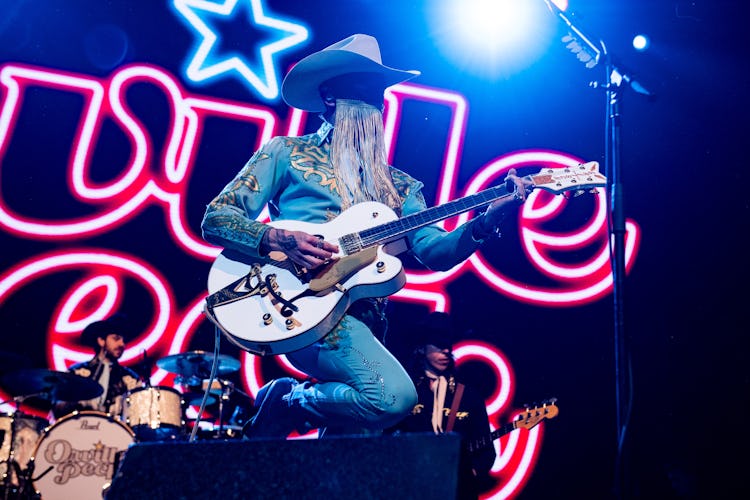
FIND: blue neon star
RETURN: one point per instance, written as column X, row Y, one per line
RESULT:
column 200, row 69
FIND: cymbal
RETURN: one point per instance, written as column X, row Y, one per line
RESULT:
column 52, row 385
column 198, row 364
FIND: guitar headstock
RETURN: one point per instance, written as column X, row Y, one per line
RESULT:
column 560, row 180
column 532, row 416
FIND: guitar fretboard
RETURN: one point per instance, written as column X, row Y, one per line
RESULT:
column 395, row 229
column 487, row 440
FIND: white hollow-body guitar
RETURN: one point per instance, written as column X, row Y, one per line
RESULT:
column 274, row 307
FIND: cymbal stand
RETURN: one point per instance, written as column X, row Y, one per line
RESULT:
column 226, row 391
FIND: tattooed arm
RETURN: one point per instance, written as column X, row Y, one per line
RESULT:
column 230, row 218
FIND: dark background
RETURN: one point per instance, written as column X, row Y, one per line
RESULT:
column 684, row 172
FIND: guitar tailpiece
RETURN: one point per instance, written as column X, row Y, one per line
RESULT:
column 287, row 308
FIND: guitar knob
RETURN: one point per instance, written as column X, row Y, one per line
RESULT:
column 289, row 323
column 380, row 266
column 267, row 319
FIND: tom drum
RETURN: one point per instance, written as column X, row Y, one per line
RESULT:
column 154, row 413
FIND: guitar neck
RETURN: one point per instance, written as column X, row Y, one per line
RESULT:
column 396, row 229
column 487, row 440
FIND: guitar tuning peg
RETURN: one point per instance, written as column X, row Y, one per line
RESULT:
column 578, row 193
column 552, row 400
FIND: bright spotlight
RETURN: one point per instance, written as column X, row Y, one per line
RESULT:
column 640, row 42
column 492, row 38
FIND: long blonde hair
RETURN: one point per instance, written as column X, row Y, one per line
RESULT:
column 358, row 155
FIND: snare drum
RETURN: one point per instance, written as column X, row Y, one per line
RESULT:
column 20, row 433
column 154, row 413
column 75, row 458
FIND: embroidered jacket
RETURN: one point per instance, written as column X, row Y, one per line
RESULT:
column 294, row 177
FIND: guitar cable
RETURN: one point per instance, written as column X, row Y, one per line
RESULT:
column 212, row 376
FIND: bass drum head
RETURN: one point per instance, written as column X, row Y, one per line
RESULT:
column 76, row 457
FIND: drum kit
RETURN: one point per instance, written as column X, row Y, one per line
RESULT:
column 76, row 455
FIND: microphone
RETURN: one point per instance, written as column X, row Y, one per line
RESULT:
column 636, row 85
column 617, row 76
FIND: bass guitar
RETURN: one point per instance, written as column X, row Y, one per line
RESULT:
column 274, row 307
column 530, row 418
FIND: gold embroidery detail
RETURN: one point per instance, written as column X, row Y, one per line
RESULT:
column 402, row 182
column 312, row 160
column 460, row 415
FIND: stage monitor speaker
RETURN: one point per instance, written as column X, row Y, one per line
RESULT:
column 387, row 467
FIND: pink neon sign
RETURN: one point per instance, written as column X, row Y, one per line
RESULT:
column 160, row 178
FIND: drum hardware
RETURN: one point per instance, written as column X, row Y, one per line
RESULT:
column 194, row 369
column 20, row 433
column 225, row 395
column 228, row 406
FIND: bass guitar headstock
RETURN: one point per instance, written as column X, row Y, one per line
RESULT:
column 532, row 416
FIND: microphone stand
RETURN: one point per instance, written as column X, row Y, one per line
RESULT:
column 591, row 54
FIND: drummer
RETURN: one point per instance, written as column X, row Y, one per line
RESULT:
column 107, row 338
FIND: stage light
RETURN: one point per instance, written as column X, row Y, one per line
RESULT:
column 492, row 38
column 641, row 42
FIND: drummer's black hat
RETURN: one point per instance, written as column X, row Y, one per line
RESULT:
column 116, row 324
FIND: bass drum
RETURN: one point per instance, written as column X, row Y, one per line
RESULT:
column 76, row 457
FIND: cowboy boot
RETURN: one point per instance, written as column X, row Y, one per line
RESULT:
column 275, row 418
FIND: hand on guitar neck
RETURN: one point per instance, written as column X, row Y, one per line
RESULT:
column 521, row 187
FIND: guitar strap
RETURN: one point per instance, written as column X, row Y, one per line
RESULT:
column 454, row 407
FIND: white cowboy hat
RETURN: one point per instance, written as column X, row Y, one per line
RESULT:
column 355, row 54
